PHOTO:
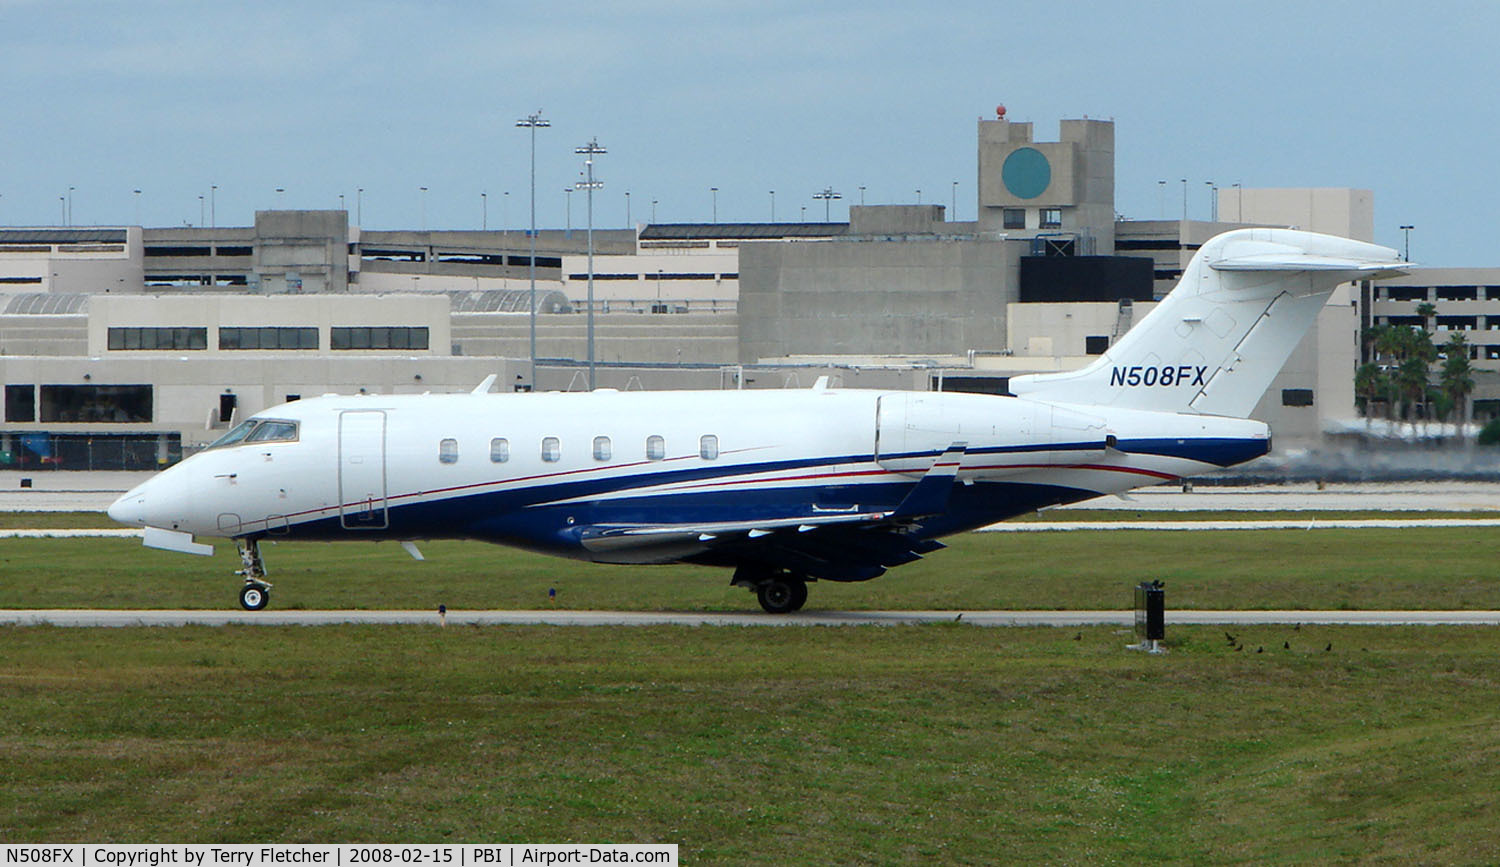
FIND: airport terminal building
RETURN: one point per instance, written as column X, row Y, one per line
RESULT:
column 124, row 347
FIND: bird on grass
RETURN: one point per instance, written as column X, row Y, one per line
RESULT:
column 1228, row 637
column 1260, row 650
column 1286, row 645
column 1329, row 647
column 1078, row 637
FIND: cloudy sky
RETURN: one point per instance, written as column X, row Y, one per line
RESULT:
column 323, row 98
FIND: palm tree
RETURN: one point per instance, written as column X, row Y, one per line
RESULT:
column 1411, row 381
column 1371, row 384
column 1457, row 376
column 1427, row 310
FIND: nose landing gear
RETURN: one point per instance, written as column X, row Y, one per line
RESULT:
column 256, row 593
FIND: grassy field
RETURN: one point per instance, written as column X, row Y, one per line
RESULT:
column 944, row 744
column 1426, row 568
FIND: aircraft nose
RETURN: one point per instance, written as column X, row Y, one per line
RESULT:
column 128, row 509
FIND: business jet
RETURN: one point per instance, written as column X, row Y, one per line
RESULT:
column 783, row 487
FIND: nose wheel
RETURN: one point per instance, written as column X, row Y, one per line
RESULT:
column 256, row 593
column 254, row 597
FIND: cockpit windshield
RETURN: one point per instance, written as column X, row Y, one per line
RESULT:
column 257, row 431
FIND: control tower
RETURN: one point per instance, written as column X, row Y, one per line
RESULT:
column 1062, row 191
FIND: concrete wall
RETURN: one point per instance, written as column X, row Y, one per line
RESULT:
column 667, row 338
column 1340, row 211
column 74, row 267
column 917, row 296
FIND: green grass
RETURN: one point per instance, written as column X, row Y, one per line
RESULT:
column 942, row 744
column 1424, row 568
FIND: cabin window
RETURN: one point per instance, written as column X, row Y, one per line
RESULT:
column 499, row 450
column 708, row 447
column 448, row 451
column 656, row 448
column 601, row 448
column 551, row 450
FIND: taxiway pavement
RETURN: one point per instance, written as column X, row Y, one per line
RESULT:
column 166, row 617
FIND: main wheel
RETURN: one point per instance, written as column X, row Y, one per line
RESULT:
column 781, row 594
column 799, row 588
column 254, row 597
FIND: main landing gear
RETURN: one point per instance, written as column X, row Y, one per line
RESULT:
column 256, row 593
column 778, row 590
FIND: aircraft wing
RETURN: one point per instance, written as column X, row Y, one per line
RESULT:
column 851, row 545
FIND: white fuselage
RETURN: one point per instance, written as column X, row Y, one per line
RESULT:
column 528, row 469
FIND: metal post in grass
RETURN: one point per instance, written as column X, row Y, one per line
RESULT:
column 1150, row 616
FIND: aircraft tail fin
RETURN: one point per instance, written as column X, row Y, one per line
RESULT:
column 1214, row 344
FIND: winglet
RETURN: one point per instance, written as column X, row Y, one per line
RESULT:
column 484, row 387
column 930, row 495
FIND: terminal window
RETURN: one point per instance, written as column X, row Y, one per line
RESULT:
column 268, row 338
column 1051, row 218
column 1015, row 218
column 124, row 404
column 378, row 337
column 158, row 338
column 20, row 403
column 1095, row 344
column 1296, row 397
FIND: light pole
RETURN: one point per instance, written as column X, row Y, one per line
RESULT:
column 861, row 195
column 827, row 195
column 1213, row 201
column 279, row 192
column 1161, row 200
column 715, row 192
column 532, row 122
column 505, row 213
column 137, row 196
column 953, row 208
column 202, row 210
column 1406, row 230
column 1184, row 200
column 359, row 206
column 484, row 211
column 589, row 151
column 628, row 223
column 62, row 205
column 568, row 213
column 213, row 194
column 653, row 210
column 1239, row 201
column 341, row 204
column 424, row 207
column 773, row 206
column 70, row 205
column 919, row 197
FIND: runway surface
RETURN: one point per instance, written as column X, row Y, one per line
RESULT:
column 121, row 618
